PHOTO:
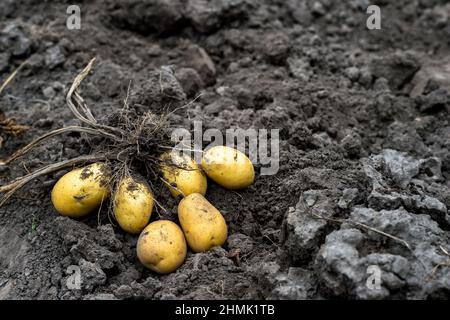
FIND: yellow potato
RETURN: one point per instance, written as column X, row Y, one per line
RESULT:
column 183, row 174
column 161, row 246
column 133, row 204
column 82, row 190
column 203, row 225
column 228, row 167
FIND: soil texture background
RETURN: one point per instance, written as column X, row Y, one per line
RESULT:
column 364, row 141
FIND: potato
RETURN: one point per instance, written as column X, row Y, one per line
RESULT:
column 228, row 167
column 202, row 224
column 183, row 174
column 82, row 190
column 133, row 204
column 161, row 246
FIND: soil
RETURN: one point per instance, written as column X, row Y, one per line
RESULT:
column 365, row 144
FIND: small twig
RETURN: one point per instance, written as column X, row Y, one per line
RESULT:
column 439, row 265
column 435, row 269
column 86, row 115
column 444, row 251
column 44, row 137
column 359, row 224
column 171, row 186
column 184, row 106
column 125, row 101
column 11, row 76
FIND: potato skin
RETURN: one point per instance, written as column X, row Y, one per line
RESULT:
column 203, row 225
column 184, row 182
column 161, row 247
column 228, row 167
column 133, row 204
column 82, row 190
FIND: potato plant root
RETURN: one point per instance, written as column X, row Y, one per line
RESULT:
column 132, row 142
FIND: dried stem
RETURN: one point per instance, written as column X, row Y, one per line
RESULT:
column 44, row 137
column 356, row 223
column 11, row 76
column 86, row 115
column 439, row 265
column 12, row 187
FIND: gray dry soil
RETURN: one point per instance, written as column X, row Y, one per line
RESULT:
column 365, row 139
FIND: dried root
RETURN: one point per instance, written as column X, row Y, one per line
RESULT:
column 439, row 265
column 128, row 141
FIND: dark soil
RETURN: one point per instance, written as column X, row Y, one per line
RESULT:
column 365, row 137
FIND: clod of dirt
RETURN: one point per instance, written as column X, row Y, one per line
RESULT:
column 101, row 79
column 158, row 90
column 299, row 11
column 404, row 137
column 299, row 67
column 342, row 270
column 240, row 242
column 198, row 59
column 398, row 68
column 85, row 243
column 159, row 16
column 207, row 16
column 351, row 143
column 401, row 167
column 190, row 81
column 14, row 40
column 434, row 101
column 303, row 232
column 433, row 73
column 7, row 7
column 93, row 275
column 295, row 284
column 276, row 48
column 54, row 57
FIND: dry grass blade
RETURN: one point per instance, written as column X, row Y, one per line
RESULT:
column 356, row 223
column 86, row 115
column 76, row 83
column 444, row 251
column 44, row 137
column 11, row 76
column 439, row 265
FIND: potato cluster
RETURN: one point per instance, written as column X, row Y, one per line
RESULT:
column 161, row 246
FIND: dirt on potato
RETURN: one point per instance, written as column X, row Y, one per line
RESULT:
column 364, row 163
